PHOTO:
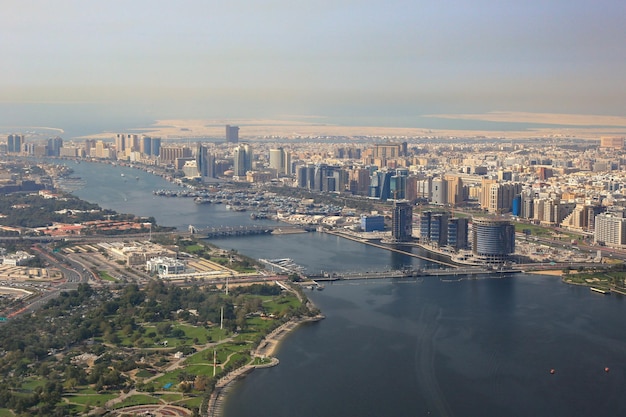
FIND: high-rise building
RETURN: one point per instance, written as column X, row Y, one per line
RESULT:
column 455, row 195
column 439, row 229
column 232, row 134
column 612, row 142
column 205, row 163
column 442, row 230
column 359, row 180
column 169, row 154
column 145, row 145
column 457, row 233
column 410, row 192
column 486, row 184
column 380, row 185
column 54, row 146
column 301, row 176
column 610, row 229
column 439, row 191
column 155, row 146
column 280, row 160
column 15, row 143
column 387, row 151
column 120, row 142
column 90, row 147
column 425, row 218
column 242, row 160
column 402, row 222
column 501, row 196
column 493, row 239
column 397, row 187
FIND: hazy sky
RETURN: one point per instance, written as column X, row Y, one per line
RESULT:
column 341, row 59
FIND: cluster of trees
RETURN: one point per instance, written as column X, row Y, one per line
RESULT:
column 32, row 210
column 35, row 211
column 87, row 320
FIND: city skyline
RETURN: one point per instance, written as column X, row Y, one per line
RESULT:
column 364, row 63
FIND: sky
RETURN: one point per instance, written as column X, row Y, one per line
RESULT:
column 347, row 61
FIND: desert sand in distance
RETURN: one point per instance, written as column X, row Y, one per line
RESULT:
column 566, row 126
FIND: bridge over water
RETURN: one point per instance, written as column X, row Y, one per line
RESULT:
column 229, row 231
column 408, row 273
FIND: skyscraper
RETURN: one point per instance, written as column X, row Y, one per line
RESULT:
column 54, row 146
column 242, row 160
column 205, row 163
column 493, row 239
column 280, row 160
column 402, row 222
column 146, row 145
column 155, row 146
column 232, row 134
column 15, row 143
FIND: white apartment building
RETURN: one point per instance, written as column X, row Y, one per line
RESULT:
column 610, row 229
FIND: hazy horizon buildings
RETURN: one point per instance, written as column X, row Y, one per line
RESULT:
column 232, row 134
column 15, row 143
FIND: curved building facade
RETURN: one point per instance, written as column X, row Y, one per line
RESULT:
column 493, row 239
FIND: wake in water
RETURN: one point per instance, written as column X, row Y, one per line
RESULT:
column 430, row 390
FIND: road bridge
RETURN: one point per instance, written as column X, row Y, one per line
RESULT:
column 409, row 273
column 230, row 231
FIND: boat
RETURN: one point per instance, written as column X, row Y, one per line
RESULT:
column 122, row 174
column 201, row 200
column 600, row 290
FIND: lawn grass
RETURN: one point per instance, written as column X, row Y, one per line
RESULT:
column 204, row 356
column 5, row 412
column 77, row 409
column 140, row 399
column 193, row 248
column 105, row 276
column 191, row 402
column 86, row 390
column 534, row 229
column 32, row 384
column 94, row 400
column 143, row 374
column 193, row 332
column 170, row 398
column 172, row 377
column 599, row 279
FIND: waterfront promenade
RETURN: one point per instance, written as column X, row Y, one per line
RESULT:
column 389, row 248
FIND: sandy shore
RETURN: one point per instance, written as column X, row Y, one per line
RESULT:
column 554, row 273
column 269, row 344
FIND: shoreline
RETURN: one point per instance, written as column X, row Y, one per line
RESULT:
column 265, row 349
